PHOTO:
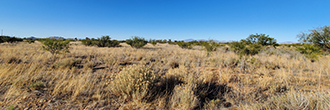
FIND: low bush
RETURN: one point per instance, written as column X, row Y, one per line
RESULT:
column 153, row 42
column 253, row 44
column 56, row 46
column 9, row 39
column 310, row 51
column 136, row 42
column 243, row 49
column 30, row 41
column 36, row 86
column 184, row 45
column 211, row 45
column 104, row 41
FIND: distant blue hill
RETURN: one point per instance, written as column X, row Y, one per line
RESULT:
column 223, row 41
column 32, row 37
column 56, row 37
column 189, row 40
column 288, row 42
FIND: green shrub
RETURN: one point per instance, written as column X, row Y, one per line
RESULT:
column 211, row 45
column 30, row 41
column 184, row 45
column 104, row 41
column 170, row 41
column 153, row 42
column 253, row 44
column 56, row 46
column 252, row 49
column 36, row 86
column 134, row 82
column 87, row 42
column 243, row 49
column 9, row 39
column 11, row 107
column 310, row 51
column 136, row 42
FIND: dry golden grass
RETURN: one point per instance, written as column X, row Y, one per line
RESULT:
column 90, row 78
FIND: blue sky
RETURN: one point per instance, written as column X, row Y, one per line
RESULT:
column 163, row 19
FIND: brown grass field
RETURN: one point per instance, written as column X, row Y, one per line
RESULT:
column 160, row 77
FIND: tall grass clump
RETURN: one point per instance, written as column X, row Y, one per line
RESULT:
column 299, row 101
column 134, row 82
column 184, row 98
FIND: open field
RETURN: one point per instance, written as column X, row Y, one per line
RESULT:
column 168, row 77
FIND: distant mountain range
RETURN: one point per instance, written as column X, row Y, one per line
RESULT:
column 32, row 37
column 56, row 37
column 288, row 42
column 53, row 37
column 222, row 41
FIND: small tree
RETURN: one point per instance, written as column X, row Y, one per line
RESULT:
column 136, row 42
column 261, row 39
column 56, row 46
column 319, row 37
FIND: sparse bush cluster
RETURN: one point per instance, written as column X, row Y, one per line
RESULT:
column 245, row 49
column 30, row 40
column 9, row 39
column 136, row 42
column 256, row 74
column 184, row 45
column 104, row 41
column 310, row 51
column 153, row 42
column 253, row 44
